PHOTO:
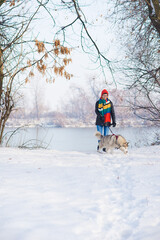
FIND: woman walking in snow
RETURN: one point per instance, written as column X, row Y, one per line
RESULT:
column 105, row 113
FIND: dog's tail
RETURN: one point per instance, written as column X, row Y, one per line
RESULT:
column 98, row 135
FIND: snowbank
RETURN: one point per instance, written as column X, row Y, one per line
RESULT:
column 51, row 195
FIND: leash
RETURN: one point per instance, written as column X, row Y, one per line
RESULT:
column 113, row 133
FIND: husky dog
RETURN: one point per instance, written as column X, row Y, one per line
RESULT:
column 111, row 142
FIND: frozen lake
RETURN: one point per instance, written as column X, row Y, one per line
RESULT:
column 76, row 139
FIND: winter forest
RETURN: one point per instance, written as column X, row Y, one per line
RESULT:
column 70, row 68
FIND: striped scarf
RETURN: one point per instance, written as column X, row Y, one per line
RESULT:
column 104, row 107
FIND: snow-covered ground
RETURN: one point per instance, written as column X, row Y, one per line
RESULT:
column 52, row 195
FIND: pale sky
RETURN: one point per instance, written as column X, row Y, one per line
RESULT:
column 81, row 67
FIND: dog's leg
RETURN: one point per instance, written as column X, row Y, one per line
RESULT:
column 111, row 150
column 98, row 149
column 100, row 146
column 106, row 150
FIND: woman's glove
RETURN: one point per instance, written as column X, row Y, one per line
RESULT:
column 114, row 124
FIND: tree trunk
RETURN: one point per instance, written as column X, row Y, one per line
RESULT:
column 1, row 2
column 1, row 74
column 154, row 13
column 1, row 85
column 157, row 8
column 6, row 101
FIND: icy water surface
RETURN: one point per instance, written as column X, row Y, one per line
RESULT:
column 76, row 139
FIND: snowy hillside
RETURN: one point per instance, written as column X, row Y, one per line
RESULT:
column 51, row 195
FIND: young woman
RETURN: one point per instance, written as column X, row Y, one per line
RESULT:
column 105, row 114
